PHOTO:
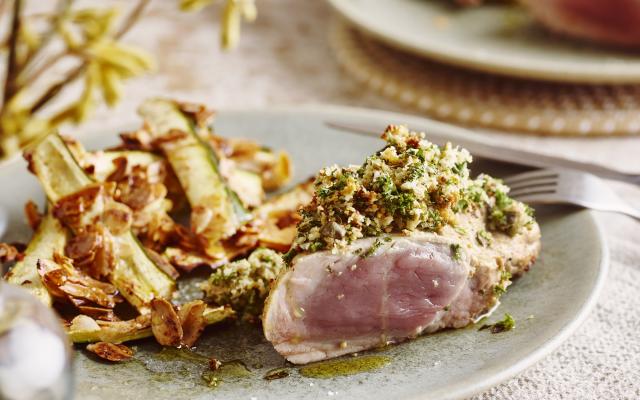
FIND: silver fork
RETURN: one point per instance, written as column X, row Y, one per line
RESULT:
column 559, row 186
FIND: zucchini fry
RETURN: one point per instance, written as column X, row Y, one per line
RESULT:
column 134, row 274
column 49, row 238
column 273, row 168
column 84, row 329
column 216, row 211
column 248, row 186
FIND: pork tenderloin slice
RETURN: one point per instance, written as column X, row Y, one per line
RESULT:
column 329, row 304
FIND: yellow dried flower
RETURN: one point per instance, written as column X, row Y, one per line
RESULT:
column 232, row 14
column 17, row 118
column 194, row 5
column 94, row 24
column 127, row 60
column 28, row 36
column 91, row 35
column 231, row 24
column 86, row 103
column 111, row 84
column 70, row 38
column 248, row 10
column 79, row 110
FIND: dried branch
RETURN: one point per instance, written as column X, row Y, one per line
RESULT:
column 63, row 10
column 44, row 67
column 132, row 18
column 10, row 84
column 2, row 4
column 75, row 73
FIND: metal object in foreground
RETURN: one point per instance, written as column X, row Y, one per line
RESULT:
column 557, row 186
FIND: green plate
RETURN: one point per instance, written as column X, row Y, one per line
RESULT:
column 558, row 292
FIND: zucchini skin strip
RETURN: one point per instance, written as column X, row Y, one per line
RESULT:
column 135, row 275
column 217, row 212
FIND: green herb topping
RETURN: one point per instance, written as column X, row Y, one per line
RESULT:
column 505, row 281
column 456, row 251
column 244, row 284
column 410, row 185
column 507, row 324
column 484, row 238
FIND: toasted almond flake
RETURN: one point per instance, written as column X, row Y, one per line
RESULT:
column 33, row 215
column 162, row 263
column 214, row 364
column 69, row 284
column 111, row 351
column 99, row 313
column 84, row 323
column 8, row 253
column 192, row 320
column 120, row 169
column 117, row 219
column 165, row 323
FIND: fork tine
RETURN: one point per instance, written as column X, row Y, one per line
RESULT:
column 540, row 198
column 532, row 184
column 530, row 193
column 568, row 187
column 526, row 176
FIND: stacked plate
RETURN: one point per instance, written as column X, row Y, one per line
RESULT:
column 490, row 66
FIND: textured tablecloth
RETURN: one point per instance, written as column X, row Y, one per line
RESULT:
column 284, row 59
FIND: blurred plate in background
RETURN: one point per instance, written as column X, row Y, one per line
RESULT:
column 495, row 38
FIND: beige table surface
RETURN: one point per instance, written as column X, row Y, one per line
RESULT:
column 284, row 59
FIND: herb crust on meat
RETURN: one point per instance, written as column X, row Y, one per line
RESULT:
column 410, row 185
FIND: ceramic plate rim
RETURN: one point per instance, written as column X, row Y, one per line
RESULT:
column 453, row 131
column 549, row 70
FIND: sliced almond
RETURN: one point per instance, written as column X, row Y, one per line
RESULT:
column 33, row 215
column 119, row 171
column 66, row 282
column 165, row 323
column 88, row 293
column 192, row 320
column 84, row 323
column 117, row 219
column 111, row 351
column 99, row 313
column 83, row 246
column 162, row 263
column 8, row 253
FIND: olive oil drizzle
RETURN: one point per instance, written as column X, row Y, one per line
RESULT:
column 228, row 369
column 233, row 369
column 344, row 367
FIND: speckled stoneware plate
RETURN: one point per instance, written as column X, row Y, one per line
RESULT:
column 558, row 292
column 496, row 38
